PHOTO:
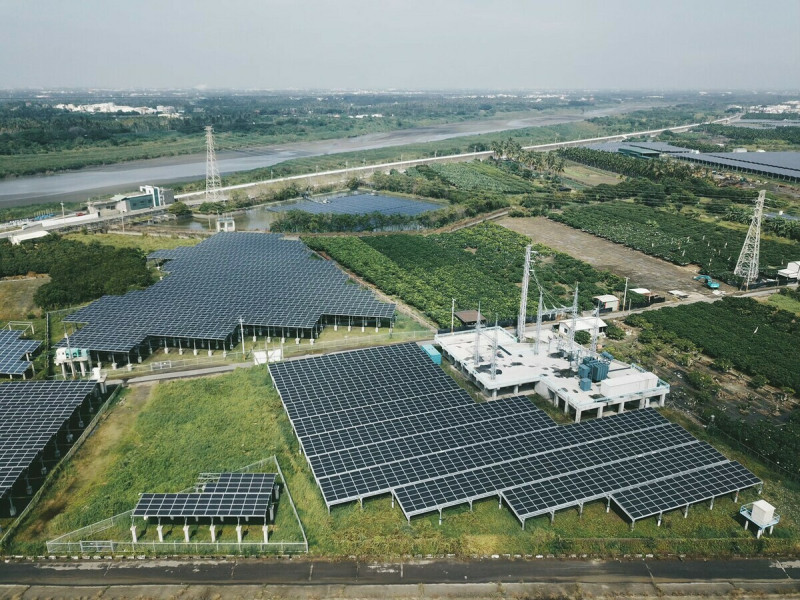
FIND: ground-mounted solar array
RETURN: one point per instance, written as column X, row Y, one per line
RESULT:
column 13, row 352
column 32, row 414
column 783, row 165
column 660, row 147
column 226, row 496
column 387, row 420
column 276, row 286
column 356, row 204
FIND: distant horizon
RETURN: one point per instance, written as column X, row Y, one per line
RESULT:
column 401, row 45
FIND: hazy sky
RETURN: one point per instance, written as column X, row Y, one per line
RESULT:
column 412, row 44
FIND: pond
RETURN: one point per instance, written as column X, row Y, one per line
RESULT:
column 261, row 217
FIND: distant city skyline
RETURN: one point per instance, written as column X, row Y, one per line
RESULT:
column 401, row 45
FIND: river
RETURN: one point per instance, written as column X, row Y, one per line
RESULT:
column 109, row 179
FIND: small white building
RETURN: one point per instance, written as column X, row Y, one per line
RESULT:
column 607, row 302
column 791, row 272
column 582, row 324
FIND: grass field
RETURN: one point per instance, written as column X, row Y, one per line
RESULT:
column 146, row 243
column 159, row 438
column 16, row 297
column 784, row 303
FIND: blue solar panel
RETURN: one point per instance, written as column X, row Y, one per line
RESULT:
column 268, row 281
column 13, row 349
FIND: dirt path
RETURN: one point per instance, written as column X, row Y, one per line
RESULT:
column 644, row 271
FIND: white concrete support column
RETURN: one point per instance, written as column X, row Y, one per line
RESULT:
column 659, row 519
column 552, row 517
column 272, row 513
column 83, row 368
column 210, row 352
column 599, row 412
column 566, row 406
column 186, row 533
column 213, row 530
column 160, row 530
column 297, row 341
column 621, row 408
column 440, row 516
column 577, row 415
column 63, row 371
column 712, row 505
column 746, row 524
column 134, row 537
column 686, row 512
column 516, row 389
column 580, row 510
column 736, row 497
column 239, row 533
column 662, row 400
column 643, row 403
column 265, row 531
column 758, row 533
column 608, row 505
column 771, row 527
column 311, row 341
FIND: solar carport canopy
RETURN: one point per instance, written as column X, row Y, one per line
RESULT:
column 387, row 420
column 233, row 495
column 265, row 279
column 31, row 414
column 13, row 349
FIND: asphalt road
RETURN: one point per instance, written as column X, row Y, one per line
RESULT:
column 301, row 571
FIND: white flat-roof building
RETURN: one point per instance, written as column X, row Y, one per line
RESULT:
column 550, row 374
column 582, row 324
column 792, row 271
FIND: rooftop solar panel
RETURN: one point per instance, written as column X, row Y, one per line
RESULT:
column 265, row 279
column 13, row 351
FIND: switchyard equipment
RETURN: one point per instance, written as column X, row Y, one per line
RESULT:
column 229, row 286
column 388, row 421
column 761, row 514
column 39, row 420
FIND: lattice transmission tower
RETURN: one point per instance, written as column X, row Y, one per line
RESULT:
column 747, row 265
column 213, row 184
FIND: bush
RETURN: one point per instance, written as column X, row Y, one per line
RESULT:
column 615, row 333
column 583, row 337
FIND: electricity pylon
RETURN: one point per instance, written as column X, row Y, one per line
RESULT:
column 213, row 184
column 747, row 265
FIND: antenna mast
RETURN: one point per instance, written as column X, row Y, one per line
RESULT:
column 747, row 265
column 213, row 183
column 523, row 301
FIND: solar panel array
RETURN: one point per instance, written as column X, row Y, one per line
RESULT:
column 31, row 414
column 779, row 164
column 232, row 495
column 266, row 280
column 359, row 204
column 387, row 420
column 13, row 349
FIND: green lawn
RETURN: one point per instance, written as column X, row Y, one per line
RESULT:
column 165, row 438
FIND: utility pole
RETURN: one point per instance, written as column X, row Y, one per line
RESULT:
column 241, row 325
column 452, row 316
column 625, row 294
column 523, row 300
column 63, row 216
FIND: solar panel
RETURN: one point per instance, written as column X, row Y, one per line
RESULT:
column 13, row 350
column 31, row 414
column 232, row 495
column 387, row 420
column 268, row 281
column 683, row 489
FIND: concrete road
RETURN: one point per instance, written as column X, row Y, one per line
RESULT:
column 291, row 571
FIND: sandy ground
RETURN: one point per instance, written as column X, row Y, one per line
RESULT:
column 644, row 271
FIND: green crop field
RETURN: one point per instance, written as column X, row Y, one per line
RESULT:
column 676, row 238
column 160, row 438
column 476, row 264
